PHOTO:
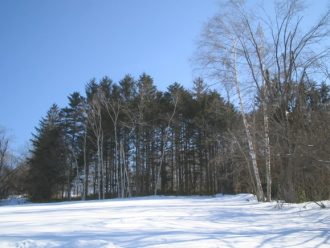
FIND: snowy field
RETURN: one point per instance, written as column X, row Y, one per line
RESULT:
column 224, row 221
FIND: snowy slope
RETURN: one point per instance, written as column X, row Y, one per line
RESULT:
column 224, row 221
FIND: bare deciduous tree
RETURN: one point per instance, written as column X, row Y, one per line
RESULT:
column 165, row 140
column 4, row 141
column 95, row 122
column 242, row 46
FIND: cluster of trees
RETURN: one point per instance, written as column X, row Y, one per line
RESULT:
column 129, row 139
column 285, row 61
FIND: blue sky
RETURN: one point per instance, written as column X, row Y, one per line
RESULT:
column 48, row 49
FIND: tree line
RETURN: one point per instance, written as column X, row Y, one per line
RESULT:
column 128, row 138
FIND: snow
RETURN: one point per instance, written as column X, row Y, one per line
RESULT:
column 13, row 200
column 221, row 221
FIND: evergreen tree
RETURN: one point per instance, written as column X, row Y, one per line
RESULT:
column 48, row 163
column 74, row 121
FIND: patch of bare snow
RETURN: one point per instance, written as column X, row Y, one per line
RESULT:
column 221, row 221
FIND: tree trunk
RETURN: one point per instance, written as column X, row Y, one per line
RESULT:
column 260, row 193
column 267, row 148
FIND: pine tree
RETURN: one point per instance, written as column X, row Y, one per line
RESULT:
column 74, row 121
column 46, row 174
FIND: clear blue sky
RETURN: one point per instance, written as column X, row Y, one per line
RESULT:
column 48, row 49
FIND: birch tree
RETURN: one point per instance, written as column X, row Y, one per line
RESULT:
column 112, row 104
column 94, row 113
column 165, row 141
column 222, row 53
column 264, row 46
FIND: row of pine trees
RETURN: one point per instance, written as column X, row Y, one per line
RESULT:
column 130, row 139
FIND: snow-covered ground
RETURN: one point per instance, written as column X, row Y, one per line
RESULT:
column 223, row 221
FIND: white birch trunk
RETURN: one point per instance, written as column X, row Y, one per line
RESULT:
column 85, row 189
column 260, row 193
column 267, row 146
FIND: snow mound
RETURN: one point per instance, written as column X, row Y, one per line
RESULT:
column 14, row 200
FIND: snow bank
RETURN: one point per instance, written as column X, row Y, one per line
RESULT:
column 13, row 200
column 221, row 221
